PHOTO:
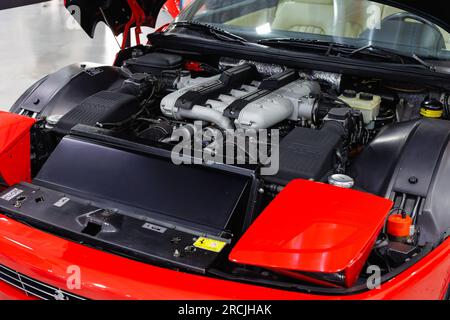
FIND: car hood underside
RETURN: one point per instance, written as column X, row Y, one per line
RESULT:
column 116, row 14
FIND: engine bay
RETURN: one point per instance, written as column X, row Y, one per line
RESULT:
column 376, row 136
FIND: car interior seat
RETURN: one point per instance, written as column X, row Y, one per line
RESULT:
column 341, row 18
column 327, row 17
column 254, row 19
column 308, row 16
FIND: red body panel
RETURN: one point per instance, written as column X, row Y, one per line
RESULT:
column 8, row 292
column 173, row 7
column 106, row 276
column 15, row 148
column 47, row 258
column 302, row 232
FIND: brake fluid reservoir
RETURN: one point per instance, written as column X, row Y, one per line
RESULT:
column 367, row 103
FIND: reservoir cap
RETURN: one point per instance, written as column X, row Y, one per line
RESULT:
column 341, row 180
column 350, row 94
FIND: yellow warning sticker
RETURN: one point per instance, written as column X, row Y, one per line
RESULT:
column 209, row 244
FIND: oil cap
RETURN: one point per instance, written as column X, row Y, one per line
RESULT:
column 432, row 108
column 341, row 180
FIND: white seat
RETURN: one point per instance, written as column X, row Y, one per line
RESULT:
column 341, row 18
column 311, row 16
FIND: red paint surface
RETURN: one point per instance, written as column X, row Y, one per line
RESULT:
column 15, row 165
column 8, row 292
column 194, row 66
column 137, row 19
column 173, row 7
column 315, row 227
column 399, row 226
column 106, row 276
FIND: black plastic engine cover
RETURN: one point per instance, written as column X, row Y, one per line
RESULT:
column 413, row 159
column 133, row 203
column 104, row 107
column 154, row 63
column 266, row 87
column 62, row 213
column 60, row 92
column 307, row 154
column 229, row 79
column 374, row 167
column 193, row 196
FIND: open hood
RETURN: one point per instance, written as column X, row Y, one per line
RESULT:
column 118, row 12
column 115, row 13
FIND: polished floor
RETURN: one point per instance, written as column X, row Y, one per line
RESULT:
column 38, row 39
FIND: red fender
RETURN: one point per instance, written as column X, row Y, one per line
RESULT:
column 15, row 148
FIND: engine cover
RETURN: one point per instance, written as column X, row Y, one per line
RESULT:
column 60, row 92
column 250, row 105
column 410, row 163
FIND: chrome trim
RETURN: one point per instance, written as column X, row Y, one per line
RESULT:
column 35, row 288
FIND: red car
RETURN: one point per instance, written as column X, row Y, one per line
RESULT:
column 252, row 149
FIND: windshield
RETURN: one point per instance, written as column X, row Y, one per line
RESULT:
column 356, row 23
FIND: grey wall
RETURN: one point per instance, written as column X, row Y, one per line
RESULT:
column 7, row 4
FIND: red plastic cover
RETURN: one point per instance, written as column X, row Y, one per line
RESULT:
column 314, row 227
column 15, row 148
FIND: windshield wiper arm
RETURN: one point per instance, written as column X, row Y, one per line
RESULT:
column 348, row 51
column 370, row 49
column 345, row 50
column 303, row 43
column 217, row 32
column 402, row 57
column 428, row 65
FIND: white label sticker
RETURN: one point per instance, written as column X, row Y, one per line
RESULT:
column 12, row 194
column 93, row 71
column 153, row 227
column 61, row 202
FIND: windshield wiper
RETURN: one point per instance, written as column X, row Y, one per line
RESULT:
column 304, row 43
column 341, row 49
column 379, row 52
column 430, row 66
column 372, row 49
column 348, row 51
column 216, row 32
